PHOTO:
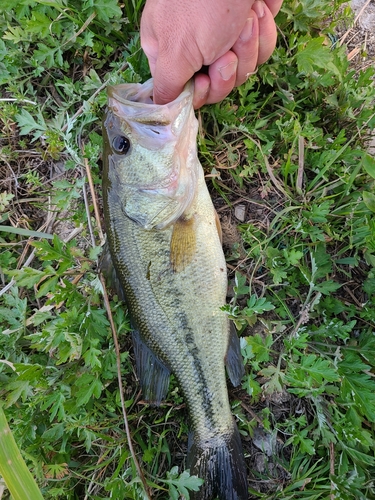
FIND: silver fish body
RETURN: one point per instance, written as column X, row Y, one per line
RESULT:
column 163, row 237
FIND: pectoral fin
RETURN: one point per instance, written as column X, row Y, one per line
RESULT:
column 233, row 359
column 183, row 243
column 152, row 373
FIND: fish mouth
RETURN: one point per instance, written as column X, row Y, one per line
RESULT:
column 141, row 94
column 156, row 197
column 127, row 93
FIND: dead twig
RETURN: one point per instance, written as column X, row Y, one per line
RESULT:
column 332, row 468
column 301, row 163
column 94, row 200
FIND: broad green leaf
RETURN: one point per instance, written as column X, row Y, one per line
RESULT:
column 307, row 445
column 240, row 287
column 358, row 388
column 348, row 261
column 16, row 34
column 92, row 357
column 39, row 24
column 318, row 213
column 54, row 432
column 257, row 305
column 50, row 56
column 294, row 256
column 5, row 199
column 327, row 287
column 251, row 386
column 278, row 275
column 55, row 403
column 360, row 457
column 313, row 55
column 368, row 162
column 89, row 385
column 104, row 9
column 27, row 276
column 18, row 389
column 369, row 200
column 47, row 286
column 276, row 382
column 59, row 4
column 260, row 346
column 369, row 286
column 319, row 368
column 27, row 123
column 182, row 484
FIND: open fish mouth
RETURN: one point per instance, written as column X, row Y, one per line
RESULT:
column 141, row 94
column 158, row 171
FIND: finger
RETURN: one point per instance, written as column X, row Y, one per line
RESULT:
column 274, row 6
column 222, row 75
column 246, row 49
column 201, row 89
column 267, row 31
column 170, row 76
column 149, row 44
column 169, row 70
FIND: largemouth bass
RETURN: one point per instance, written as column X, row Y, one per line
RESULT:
column 164, row 241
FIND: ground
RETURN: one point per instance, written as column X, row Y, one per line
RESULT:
column 257, row 202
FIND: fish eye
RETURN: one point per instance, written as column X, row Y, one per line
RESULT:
column 120, row 144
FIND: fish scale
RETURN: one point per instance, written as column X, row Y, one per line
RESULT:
column 174, row 276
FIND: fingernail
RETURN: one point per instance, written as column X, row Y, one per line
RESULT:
column 258, row 8
column 228, row 71
column 247, row 30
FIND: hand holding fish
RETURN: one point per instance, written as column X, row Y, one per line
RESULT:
column 230, row 38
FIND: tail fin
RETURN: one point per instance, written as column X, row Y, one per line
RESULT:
column 222, row 466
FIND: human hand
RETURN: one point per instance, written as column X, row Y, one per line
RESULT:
column 232, row 38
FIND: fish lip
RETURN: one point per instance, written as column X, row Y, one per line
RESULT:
column 114, row 94
column 125, row 97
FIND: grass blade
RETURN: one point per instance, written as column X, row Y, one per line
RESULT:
column 13, row 469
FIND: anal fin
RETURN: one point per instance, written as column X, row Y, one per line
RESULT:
column 233, row 358
column 152, row 373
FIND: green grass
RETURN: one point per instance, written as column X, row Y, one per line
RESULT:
column 289, row 145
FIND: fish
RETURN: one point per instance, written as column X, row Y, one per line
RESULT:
column 165, row 243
